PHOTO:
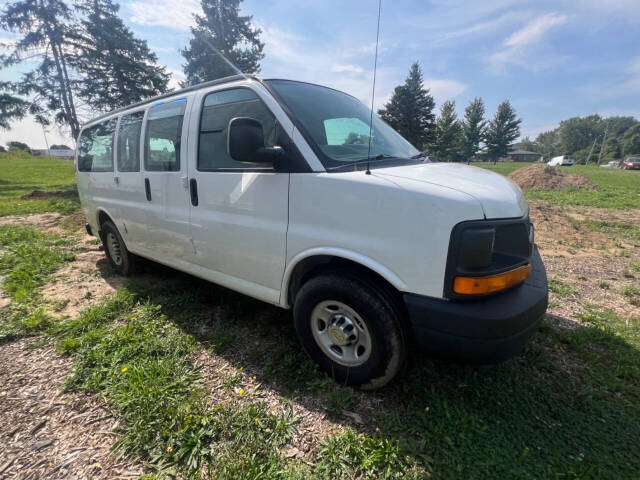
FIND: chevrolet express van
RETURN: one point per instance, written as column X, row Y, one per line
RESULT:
column 264, row 187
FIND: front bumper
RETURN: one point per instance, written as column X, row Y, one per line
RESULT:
column 486, row 330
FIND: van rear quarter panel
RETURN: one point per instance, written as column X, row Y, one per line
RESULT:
column 401, row 233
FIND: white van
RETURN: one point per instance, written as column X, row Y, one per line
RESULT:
column 263, row 186
column 561, row 161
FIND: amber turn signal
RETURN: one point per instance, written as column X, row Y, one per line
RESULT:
column 492, row 283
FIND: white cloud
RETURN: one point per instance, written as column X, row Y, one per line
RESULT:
column 164, row 13
column 176, row 77
column 634, row 66
column 444, row 89
column 346, row 68
column 535, row 30
column 518, row 49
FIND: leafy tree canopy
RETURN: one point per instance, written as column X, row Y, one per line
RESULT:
column 473, row 128
column 503, row 130
column 448, row 134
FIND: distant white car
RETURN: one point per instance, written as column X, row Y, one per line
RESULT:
column 562, row 160
column 611, row 164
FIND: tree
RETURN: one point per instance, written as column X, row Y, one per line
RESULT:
column 473, row 128
column 410, row 110
column 448, row 133
column 579, row 133
column 46, row 35
column 221, row 28
column 527, row 144
column 11, row 108
column 631, row 141
column 503, row 129
column 117, row 69
column 548, row 144
column 15, row 145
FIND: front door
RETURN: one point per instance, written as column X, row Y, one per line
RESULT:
column 239, row 224
column 165, row 183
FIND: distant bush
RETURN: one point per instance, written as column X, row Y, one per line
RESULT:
column 14, row 145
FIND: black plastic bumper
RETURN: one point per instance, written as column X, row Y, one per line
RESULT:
column 486, row 330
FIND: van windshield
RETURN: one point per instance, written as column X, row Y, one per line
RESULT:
column 338, row 125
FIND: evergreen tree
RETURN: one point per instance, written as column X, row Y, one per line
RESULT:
column 117, row 69
column 223, row 29
column 410, row 110
column 502, row 131
column 45, row 29
column 473, row 128
column 448, row 133
column 11, row 107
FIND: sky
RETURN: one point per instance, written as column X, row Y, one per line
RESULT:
column 551, row 59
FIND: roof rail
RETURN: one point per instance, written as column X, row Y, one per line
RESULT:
column 190, row 88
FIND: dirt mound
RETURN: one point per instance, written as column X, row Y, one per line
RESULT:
column 40, row 194
column 543, row 177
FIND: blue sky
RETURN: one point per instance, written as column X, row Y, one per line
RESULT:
column 551, row 59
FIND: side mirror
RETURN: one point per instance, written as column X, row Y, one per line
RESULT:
column 245, row 142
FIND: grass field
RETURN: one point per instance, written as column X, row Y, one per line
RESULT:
column 21, row 174
column 210, row 383
column 619, row 189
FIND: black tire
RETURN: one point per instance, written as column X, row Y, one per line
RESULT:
column 374, row 307
column 122, row 260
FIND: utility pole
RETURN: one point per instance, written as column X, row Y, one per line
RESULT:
column 606, row 128
column 591, row 151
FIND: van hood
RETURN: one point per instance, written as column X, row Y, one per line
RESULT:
column 498, row 196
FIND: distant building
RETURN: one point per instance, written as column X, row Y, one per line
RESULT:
column 57, row 152
column 523, row 156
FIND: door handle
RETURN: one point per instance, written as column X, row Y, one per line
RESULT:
column 147, row 189
column 193, row 190
column 116, row 180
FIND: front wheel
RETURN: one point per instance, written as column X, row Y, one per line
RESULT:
column 351, row 329
column 122, row 261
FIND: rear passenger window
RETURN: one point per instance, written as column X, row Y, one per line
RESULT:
column 95, row 147
column 128, row 154
column 218, row 109
column 163, row 134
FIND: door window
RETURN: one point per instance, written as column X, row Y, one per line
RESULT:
column 163, row 136
column 217, row 110
column 128, row 153
column 95, row 148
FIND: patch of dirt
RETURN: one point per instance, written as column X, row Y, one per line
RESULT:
column 42, row 195
column 82, row 282
column 544, row 177
column 46, row 433
column 584, row 258
column 49, row 222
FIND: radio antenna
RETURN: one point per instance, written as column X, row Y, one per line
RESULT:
column 373, row 90
column 226, row 60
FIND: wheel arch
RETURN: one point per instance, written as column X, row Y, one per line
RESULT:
column 304, row 266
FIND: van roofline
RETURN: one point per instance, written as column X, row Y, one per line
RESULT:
column 198, row 86
column 190, row 88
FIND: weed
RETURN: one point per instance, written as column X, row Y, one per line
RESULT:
column 28, row 259
column 339, row 399
column 603, row 285
column 560, row 287
column 632, row 292
column 635, row 266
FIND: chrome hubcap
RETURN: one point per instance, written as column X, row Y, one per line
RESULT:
column 113, row 246
column 341, row 333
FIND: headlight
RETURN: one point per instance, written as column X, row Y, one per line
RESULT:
column 486, row 256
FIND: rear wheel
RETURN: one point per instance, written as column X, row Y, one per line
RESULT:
column 119, row 257
column 351, row 329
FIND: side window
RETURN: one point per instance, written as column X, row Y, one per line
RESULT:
column 217, row 110
column 163, row 135
column 95, row 147
column 128, row 153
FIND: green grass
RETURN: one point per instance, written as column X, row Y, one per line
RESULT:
column 619, row 189
column 27, row 259
column 615, row 229
column 21, row 174
column 560, row 287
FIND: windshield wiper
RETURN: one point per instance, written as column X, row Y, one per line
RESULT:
column 418, row 155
